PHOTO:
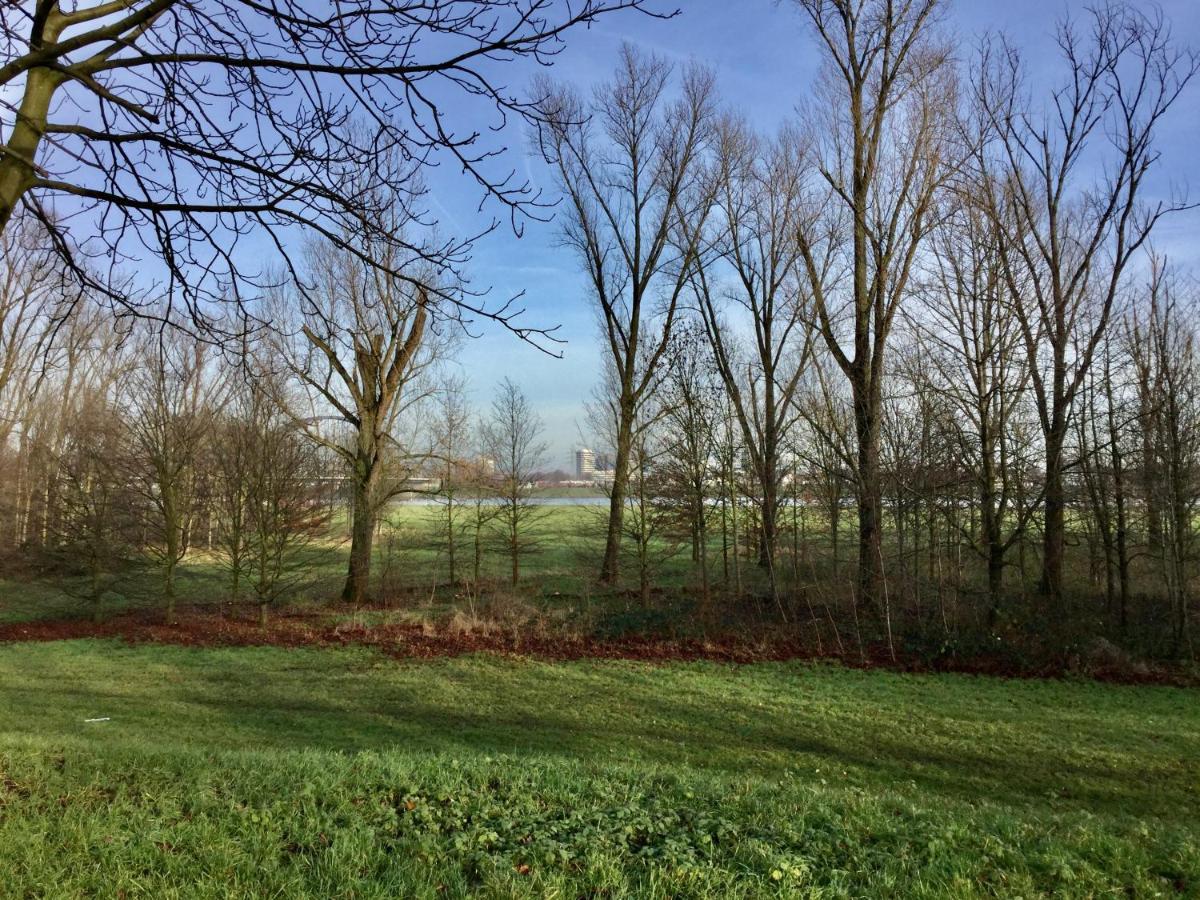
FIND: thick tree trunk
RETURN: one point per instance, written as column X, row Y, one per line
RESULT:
column 870, row 504
column 995, row 573
column 1054, row 534
column 768, row 534
column 991, row 522
column 362, row 535
column 610, row 568
column 991, row 526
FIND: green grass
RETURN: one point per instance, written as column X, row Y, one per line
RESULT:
column 27, row 601
column 408, row 565
column 322, row 773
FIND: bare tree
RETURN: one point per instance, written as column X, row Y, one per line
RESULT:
column 267, row 488
column 283, row 512
column 647, row 517
column 730, row 457
column 1065, row 184
column 691, row 397
column 232, row 459
column 98, row 522
column 512, row 440
column 366, row 342
column 1102, row 424
column 879, row 133
column 34, row 295
column 1167, row 359
column 452, row 440
column 479, row 476
column 629, row 162
column 971, row 352
column 828, row 447
column 758, row 191
column 171, row 401
column 84, row 357
column 182, row 127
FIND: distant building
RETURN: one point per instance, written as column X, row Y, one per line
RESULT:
column 585, row 464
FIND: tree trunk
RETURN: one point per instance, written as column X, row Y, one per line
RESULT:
column 610, row 568
column 362, row 534
column 994, row 544
column 516, row 559
column 769, row 518
column 1121, row 538
column 17, row 171
column 733, row 526
column 724, row 540
column 169, row 585
column 1054, row 535
column 478, row 548
column 450, row 560
column 870, row 546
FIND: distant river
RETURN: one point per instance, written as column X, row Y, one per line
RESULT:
column 534, row 501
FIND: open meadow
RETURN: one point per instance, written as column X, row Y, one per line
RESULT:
column 159, row 771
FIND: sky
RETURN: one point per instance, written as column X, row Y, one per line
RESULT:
column 765, row 60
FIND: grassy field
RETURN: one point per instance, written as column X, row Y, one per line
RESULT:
column 344, row 773
column 410, row 574
column 409, row 568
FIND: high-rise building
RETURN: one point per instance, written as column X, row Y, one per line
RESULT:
column 585, row 463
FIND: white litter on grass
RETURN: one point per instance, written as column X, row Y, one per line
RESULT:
column 101, row 719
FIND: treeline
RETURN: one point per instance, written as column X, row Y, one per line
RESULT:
column 910, row 362
column 931, row 298
column 129, row 444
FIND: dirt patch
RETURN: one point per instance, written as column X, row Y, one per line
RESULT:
column 201, row 627
column 207, row 629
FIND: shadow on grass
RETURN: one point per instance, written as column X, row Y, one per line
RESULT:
column 966, row 740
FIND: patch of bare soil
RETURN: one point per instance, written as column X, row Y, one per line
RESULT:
column 204, row 627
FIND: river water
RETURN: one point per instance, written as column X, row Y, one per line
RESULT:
column 533, row 501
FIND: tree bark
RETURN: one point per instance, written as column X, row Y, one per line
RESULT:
column 610, row 568
column 362, row 536
column 1054, row 533
column 17, row 160
column 870, row 502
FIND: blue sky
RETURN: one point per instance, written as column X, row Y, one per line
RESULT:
column 765, row 61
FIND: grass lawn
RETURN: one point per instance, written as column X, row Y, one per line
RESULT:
column 409, row 568
column 344, row 773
